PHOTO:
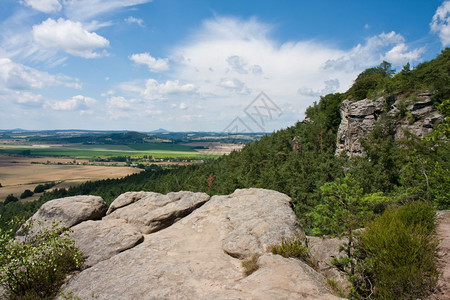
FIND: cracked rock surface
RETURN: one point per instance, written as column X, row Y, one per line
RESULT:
column 198, row 257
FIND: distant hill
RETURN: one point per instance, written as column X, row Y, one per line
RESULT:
column 160, row 130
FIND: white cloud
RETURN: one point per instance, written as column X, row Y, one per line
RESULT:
column 225, row 64
column 235, row 85
column 16, row 76
column 155, row 90
column 89, row 9
column 25, row 99
column 79, row 102
column 331, row 86
column 131, row 20
column 46, row 6
column 379, row 47
column 440, row 23
column 68, row 36
column 399, row 54
column 153, row 64
column 118, row 107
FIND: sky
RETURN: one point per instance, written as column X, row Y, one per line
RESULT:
column 197, row 65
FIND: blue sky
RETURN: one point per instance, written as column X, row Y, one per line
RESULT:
column 197, row 65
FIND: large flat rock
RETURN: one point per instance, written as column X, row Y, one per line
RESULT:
column 70, row 210
column 191, row 258
column 150, row 212
column 100, row 240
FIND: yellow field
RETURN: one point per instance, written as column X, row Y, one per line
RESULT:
column 18, row 174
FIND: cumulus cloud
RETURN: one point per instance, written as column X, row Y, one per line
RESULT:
column 118, row 107
column 389, row 46
column 46, row 6
column 399, row 54
column 153, row 64
column 79, row 103
column 440, row 23
column 27, row 99
column 16, row 76
column 155, row 90
column 227, row 62
column 133, row 20
column 68, row 36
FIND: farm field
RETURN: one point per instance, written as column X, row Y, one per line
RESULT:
column 89, row 151
column 18, row 174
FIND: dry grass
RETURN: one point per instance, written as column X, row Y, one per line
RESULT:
column 250, row 265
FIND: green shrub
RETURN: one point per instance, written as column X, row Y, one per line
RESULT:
column 293, row 247
column 10, row 198
column 250, row 265
column 26, row 194
column 35, row 268
column 396, row 254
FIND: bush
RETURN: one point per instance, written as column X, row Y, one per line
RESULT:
column 293, row 247
column 42, row 187
column 26, row 194
column 35, row 268
column 10, row 198
column 396, row 254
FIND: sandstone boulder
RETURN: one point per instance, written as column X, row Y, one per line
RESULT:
column 151, row 212
column 100, row 240
column 254, row 224
column 70, row 210
column 191, row 258
column 128, row 198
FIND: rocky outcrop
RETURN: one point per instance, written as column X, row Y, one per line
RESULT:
column 100, row 240
column 198, row 257
column 358, row 119
column 150, row 212
column 420, row 118
column 70, row 211
column 323, row 251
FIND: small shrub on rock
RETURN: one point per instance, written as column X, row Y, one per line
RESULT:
column 250, row 265
column 36, row 267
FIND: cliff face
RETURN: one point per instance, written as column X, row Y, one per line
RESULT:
column 360, row 117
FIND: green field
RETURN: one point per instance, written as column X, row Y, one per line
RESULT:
column 89, row 151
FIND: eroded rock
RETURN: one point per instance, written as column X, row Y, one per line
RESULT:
column 151, row 212
column 190, row 259
column 100, row 240
column 324, row 250
column 359, row 118
column 70, row 210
